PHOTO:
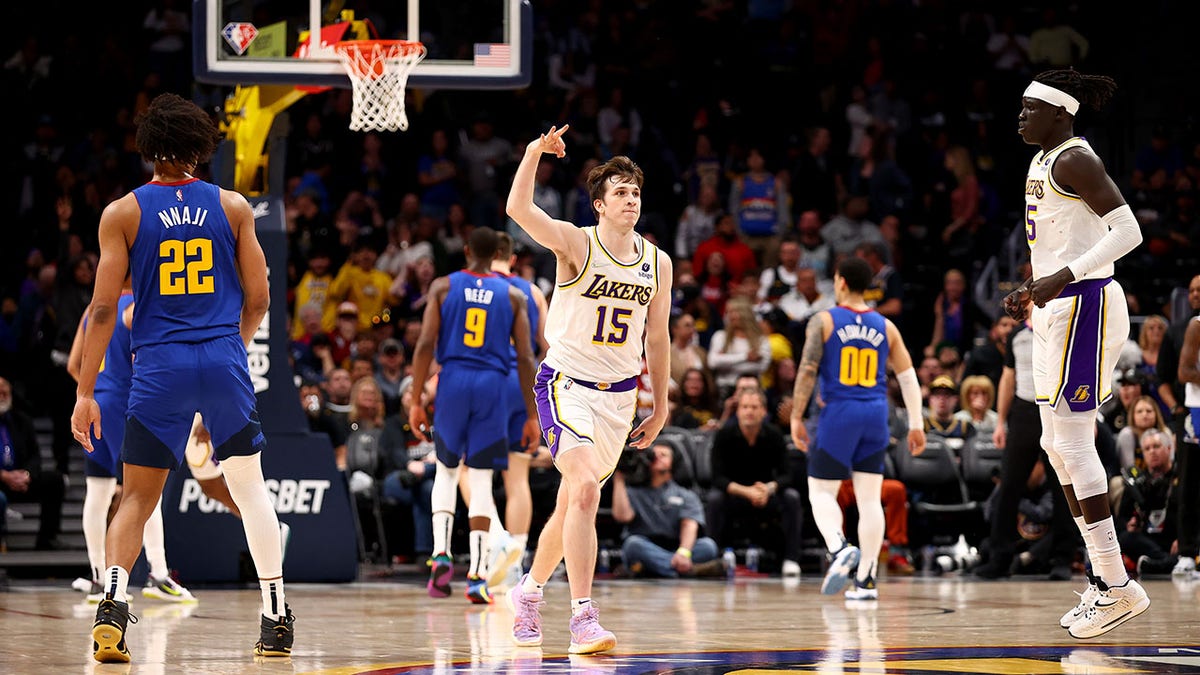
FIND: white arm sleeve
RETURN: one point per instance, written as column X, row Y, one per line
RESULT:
column 1124, row 235
column 910, row 391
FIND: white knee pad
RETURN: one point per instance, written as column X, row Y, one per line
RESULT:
column 1075, row 441
column 482, row 504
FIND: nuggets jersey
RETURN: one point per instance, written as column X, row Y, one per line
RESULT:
column 116, row 371
column 1059, row 226
column 596, row 321
column 531, row 310
column 184, row 264
column 477, row 319
column 854, row 364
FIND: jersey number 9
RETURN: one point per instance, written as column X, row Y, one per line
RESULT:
column 185, row 267
column 859, row 367
column 476, row 326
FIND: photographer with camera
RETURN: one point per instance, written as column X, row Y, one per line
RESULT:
column 1150, row 506
column 662, row 519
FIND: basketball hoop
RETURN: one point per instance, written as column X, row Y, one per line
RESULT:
column 378, row 71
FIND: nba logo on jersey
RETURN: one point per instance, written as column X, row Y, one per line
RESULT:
column 479, row 282
column 179, row 194
column 1081, row 394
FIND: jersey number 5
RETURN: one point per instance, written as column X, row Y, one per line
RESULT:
column 476, row 326
column 1030, row 226
column 859, row 367
column 185, row 267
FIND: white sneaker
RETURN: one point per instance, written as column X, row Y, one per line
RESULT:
column 1184, row 567
column 1110, row 609
column 82, row 585
column 1085, row 601
column 505, row 554
column 791, row 569
column 841, row 568
column 167, row 589
column 863, row 590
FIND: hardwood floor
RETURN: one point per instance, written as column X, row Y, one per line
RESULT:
column 920, row 624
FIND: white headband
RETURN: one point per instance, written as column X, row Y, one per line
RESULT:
column 1051, row 95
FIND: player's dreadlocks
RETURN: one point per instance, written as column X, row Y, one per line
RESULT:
column 174, row 129
column 1094, row 90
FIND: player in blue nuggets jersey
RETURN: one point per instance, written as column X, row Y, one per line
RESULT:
column 472, row 318
column 102, row 466
column 509, row 545
column 850, row 347
column 200, row 279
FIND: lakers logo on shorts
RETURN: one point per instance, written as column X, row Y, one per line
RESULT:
column 1081, row 394
column 550, row 437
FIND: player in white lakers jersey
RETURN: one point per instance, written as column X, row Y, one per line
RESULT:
column 612, row 300
column 1077, row 226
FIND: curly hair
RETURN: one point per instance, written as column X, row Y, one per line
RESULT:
column 173, row 129
column 1094, row 90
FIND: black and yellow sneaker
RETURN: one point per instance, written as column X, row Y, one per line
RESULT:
column 275, row 637
column 108, row 633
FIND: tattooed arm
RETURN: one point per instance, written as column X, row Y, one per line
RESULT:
column 819, row 327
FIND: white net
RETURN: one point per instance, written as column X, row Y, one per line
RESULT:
column 378, row 71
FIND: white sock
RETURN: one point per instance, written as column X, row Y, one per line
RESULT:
column 443, row 525
column 479, row 549
column 579, row 605
column 521, row 540
column 272, row 597
column 531, row 585
column 1107, row 564
column 96, row 501
column 116, row 583
column 1088, row 543
column 243, row 475
column 154, row 541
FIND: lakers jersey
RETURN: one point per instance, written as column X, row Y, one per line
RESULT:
column 854, row 364
column 596, row 321
column 184, row 265
column 477, row 321
column 1059, row 225
column 116, row 371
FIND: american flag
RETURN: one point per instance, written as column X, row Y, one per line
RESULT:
column 493, row 55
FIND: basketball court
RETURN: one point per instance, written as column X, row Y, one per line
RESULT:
column 946, row 624
column 942, row 624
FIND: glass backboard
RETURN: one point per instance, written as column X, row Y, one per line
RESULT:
column 471, row 44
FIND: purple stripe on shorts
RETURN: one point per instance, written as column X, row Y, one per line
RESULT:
column 1081, row 385
column 547, row 408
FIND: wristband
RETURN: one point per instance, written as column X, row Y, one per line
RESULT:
column 687, row 553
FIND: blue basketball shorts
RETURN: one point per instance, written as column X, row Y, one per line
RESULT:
column 851, row 436
column 471, row 417
column 172, row 382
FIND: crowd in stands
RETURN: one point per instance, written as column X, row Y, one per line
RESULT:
column 776, row 137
